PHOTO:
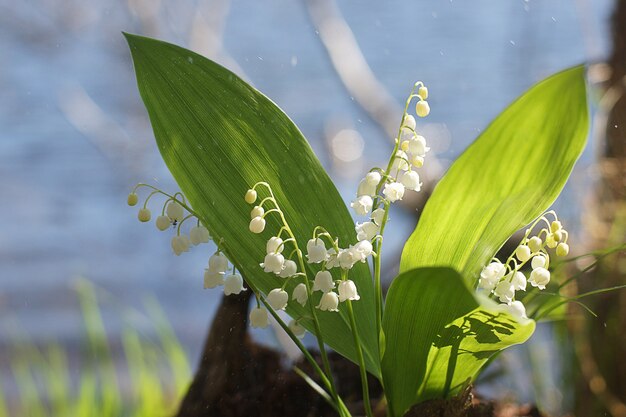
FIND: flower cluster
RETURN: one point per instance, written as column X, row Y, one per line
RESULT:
column 400, row 174
column 503, row 280
column 173, row 215
column 284, row 259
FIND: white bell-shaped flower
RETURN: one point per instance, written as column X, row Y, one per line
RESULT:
column 199, row 234
column 362, row 205
column 250, row 196
column 323, row 282
column 366, row 231
column 535, row 243
column 174, row 211
column 132, row 199
column 289, row 269
column 517, row 309
column 331, row 260
column 518, row 280
column 363, row 249
column 539, row 277
column 490, row 275
column 422, row 109
column 365, row 188
column 273, row 262
column 213, row 279
column 144, row 215
column 233, row 284
column 377, row 215
column 297, row 329
column 257, row 211
column 163, row 223
column 505, row 291
column 347, row 291
column 401, row 162
column 411, row 180
column 300, row 294
column 347, row 258
column 523, row 253
column 373, row 178
column 274, row 245
column 218, row 263
column 562, row 249
column 417, row 146
column 316, row 251
column 417, row 161
column 180, row 244
column 539, row 261
column 278, row 299
column 409, row 121
column 257, row 224
column 259, row 318
column 393, row 191
column 329, row 302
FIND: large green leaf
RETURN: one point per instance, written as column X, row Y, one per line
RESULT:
column 219, row 136
column 505, row 179
column 438, row 336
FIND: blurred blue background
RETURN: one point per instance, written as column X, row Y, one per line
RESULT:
column 75, row 137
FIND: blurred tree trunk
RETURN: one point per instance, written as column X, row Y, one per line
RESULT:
column 600, row 343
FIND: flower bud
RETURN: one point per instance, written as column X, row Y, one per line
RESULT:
column 347, row 291
column 411, row 180
column 523, row 253
column 259, row 318
column 180, row 244
column 551, row 241
column 297, row 329
column 174, row 211
column 199, row 234
column 233, row 284
column 144, row 215
column 257, row 211
column 274, row 245
column 562, row 249
column 417, row 146
column 257, row 225
column 409, row 121
column 218, row 263
column 213, row 279
column 373, row 178
column 329, row 302
column 539, row 261
column 555, row 226
column 422, row 109
column 365, row 188
column 535, row 243
column 300, row 294
column 250, row 196
column 132, row 199
column 323, row 282
column 163, row 223
column 289, row 269
column 278, row 299
column 423, row 92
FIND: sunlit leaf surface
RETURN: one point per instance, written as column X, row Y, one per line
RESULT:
column 505, row 179
column 219, row 136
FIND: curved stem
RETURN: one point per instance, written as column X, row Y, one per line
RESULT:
column 357, row 344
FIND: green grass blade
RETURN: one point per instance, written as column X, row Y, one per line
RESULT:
column 219, row 136
column 509, row 176
column 438, row 336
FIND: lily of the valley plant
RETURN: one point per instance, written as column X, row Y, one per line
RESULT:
column 251, row 184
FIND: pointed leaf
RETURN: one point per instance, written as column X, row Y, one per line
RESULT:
column 509, row 176
column 219, row 136
column 438, row 336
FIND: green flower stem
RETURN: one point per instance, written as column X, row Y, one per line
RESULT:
column 359, row 351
